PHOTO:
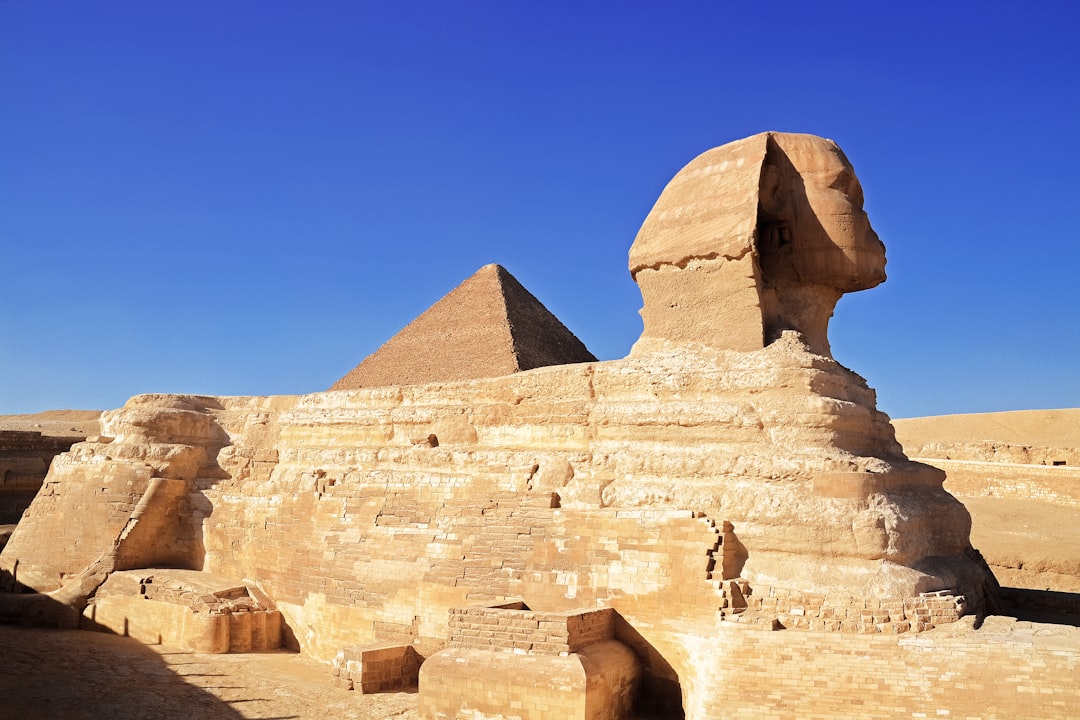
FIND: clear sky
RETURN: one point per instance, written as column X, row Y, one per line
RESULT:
column 250, row 196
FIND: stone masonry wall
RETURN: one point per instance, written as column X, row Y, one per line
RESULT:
column 997, row 452
column 509, row 660
column 25, row 457
column 521, row 630
column 367, row 515
column 845, row 613
column 1006, row 669
column 1055, row 485
column 103, row 508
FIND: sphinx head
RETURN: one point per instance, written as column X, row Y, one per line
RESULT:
column 754, row 238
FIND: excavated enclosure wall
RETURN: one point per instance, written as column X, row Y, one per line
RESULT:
column 511, row 659
column 25, row 457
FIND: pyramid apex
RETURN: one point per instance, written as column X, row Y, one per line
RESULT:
column 487, row 326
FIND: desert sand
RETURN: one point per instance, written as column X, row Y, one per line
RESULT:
column 75, row 674
column 1047, row 428
column 54, row 422
column 1029, row 542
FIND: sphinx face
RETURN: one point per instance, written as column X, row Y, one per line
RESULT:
column 752, row 239
column 821, row 203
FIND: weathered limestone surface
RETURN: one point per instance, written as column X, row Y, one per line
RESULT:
column 754, row 238
column 359, row 534
column 728, row 473
column 376, row 667
column 564, row 665
column 1006, row 669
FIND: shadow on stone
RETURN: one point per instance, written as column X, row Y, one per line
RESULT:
column 659, row 691
column 1045, row 606
column 71, row 674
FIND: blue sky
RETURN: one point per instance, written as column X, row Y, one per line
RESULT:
column 249, row 197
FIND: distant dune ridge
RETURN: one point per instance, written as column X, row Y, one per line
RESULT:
column 54, row 422
column 1047, row 428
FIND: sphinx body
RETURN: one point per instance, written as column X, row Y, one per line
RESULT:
column 728, row 460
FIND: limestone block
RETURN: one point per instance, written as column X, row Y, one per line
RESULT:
column 377, row 667
column 155, row 622
column 597, row 682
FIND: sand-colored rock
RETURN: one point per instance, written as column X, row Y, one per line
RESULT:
column 696, row 488
column 487, row 326
column 28, row 443
column 188, row 609
column 25, row 457
column 1019, row 475
column 754, row 238
column 1005, row 669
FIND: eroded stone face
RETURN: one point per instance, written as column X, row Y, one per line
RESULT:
column 754, row 238
column 812, row 207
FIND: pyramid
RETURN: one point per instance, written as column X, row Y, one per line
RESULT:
column 487, row 326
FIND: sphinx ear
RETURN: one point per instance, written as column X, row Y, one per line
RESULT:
column 772, row 199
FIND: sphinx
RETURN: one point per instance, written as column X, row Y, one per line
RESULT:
column 746, row 252
column 728, row 469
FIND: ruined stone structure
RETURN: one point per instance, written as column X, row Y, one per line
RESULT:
column 627, row 526
column 24, row 462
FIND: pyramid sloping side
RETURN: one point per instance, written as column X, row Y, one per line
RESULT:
column 540, row 339
column 479, row 329
column 464, row 335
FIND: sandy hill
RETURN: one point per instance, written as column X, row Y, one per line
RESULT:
column 1046, row 428
column 54, row 422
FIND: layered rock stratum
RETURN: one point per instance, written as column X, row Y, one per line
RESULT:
column 728, row 474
